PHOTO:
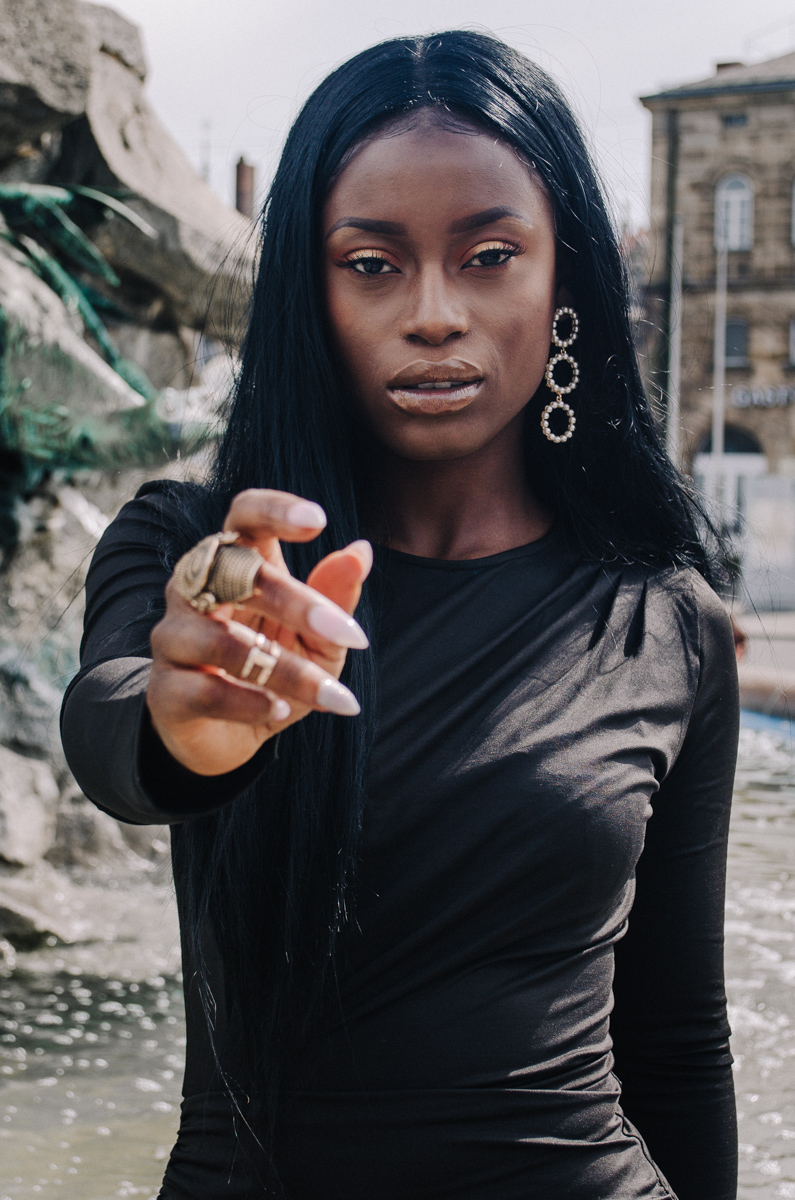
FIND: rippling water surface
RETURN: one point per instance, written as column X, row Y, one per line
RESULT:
column 92, row 1038
column 760, row 966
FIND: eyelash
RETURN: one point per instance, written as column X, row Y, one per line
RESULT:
column 365, row 256
column 374, row 256
column 505, row 248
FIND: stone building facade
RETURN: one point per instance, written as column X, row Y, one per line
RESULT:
column 723, row 151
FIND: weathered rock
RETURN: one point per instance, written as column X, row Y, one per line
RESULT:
column 41, row 903
column 166, row 357
column 45, row 57
column 38, row 902
column 27, row 924
column 32, row 162
column 87, row 837
column 71, row 90
column 29, row 706
column 150, row 842
column 113, row 34
column 201, row 261
column 84, row 836
column 45, row 355
column 200, row 405
column 28, row 798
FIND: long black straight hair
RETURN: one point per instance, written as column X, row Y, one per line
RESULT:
column 268, row 878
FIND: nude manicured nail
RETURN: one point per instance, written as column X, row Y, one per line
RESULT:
column 336, row 698
column 363, row 548
column 281, row 710
column 305, row 515
column 337, row 627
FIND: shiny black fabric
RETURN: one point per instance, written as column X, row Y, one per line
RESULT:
column 541, row 720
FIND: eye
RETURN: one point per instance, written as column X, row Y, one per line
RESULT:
column 369, row 262
column 492, row 254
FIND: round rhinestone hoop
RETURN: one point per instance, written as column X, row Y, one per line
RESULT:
column 546, row 414
column 560, row 342
column 550, row 377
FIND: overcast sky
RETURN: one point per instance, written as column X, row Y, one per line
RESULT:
column 245, row 66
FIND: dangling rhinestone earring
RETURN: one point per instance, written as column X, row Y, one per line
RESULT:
column 561, row 389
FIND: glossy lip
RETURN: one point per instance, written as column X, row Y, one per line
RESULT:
column 405, row 392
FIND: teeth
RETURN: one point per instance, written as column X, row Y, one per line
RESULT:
column 432, row 387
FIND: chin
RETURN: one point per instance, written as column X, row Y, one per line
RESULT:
column 435, row 449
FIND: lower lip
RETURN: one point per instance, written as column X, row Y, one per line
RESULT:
column 435, row 400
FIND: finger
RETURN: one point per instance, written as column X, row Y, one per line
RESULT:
column 317, row 620
column 191, row 694
column 340, row 575
column 260, row 515
column 287, row 603
column 234, row 648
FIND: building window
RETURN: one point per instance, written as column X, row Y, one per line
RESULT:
column 736, row 343
column 734, row 120
column 734, row 213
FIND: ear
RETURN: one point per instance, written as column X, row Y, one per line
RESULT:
column 564, row 297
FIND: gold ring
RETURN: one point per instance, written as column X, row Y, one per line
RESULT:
column 259, row 656
column 217, row 570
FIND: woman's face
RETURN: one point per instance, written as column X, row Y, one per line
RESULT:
column 440, row 285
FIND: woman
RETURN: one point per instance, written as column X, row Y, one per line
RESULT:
column 408, row 970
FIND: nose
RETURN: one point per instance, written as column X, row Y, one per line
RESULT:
column 435, row 312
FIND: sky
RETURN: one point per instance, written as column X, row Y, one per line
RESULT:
column 228, row 76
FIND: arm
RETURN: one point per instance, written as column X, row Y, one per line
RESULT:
column 670, row 1030
column 110, row 743
column 159, row 726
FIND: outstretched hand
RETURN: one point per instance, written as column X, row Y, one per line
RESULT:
column 210, row 719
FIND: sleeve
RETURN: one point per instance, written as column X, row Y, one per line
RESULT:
column 109, row 741
column 670, row 1028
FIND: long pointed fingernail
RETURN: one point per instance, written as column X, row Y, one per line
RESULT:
column 336, row 698
column 337, row 627
column 305, row 515
column 365, row 550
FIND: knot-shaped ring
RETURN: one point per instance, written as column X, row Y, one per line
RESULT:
column 217, row 570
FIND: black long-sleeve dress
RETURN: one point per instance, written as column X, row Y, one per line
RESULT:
column 535, row 978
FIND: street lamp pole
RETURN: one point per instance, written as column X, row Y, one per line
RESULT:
column 719, row 368
column 675, row 344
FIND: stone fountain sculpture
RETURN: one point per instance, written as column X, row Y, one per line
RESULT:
column 124, row 285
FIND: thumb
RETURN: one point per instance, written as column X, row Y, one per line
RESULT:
column 340, row 575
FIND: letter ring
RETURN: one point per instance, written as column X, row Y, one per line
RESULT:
column 263, row 654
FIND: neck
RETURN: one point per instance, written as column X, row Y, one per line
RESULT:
column 457, row 508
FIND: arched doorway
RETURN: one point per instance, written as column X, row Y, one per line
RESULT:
column 726, row 484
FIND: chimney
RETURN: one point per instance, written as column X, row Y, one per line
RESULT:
column 727, row 66
column 244, row 187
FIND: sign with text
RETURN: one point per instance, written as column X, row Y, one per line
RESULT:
column 763, row 397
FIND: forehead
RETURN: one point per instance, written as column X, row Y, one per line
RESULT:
column 425, row 169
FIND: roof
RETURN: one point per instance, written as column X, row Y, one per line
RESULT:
column 775, row 75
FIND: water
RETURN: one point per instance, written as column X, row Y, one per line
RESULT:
column 760, row 960
column 92, row 1045
column 92, row 1038
column 89, row 1105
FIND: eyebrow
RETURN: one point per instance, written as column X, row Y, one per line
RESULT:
column 394, row 229
column 487, row 217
